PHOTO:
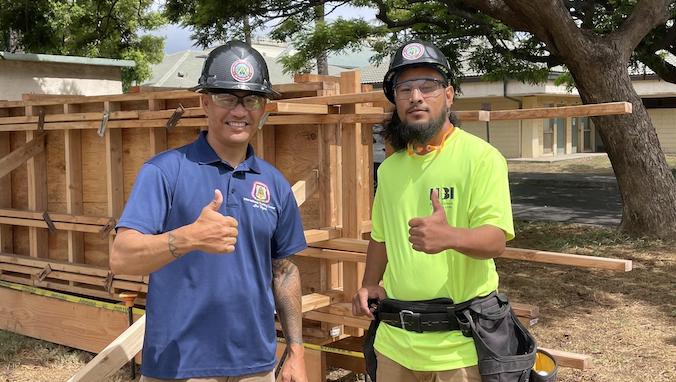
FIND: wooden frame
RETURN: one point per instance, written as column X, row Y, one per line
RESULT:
column 318, row 135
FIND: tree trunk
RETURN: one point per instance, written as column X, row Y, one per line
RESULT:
column 322, row 59
column 647, row 186
column 247, row 30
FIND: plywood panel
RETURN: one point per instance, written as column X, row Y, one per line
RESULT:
column 56, row 172
column 93, row 171
column 181, row 136
column 296, row 156
column 136, row 150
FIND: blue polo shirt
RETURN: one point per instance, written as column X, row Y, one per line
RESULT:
column 213, row 314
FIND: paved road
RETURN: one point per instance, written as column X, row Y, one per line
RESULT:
column 566, row 198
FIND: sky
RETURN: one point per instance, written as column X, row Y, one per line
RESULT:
column 178, row 38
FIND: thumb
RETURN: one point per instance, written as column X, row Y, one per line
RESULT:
column 436, row 204
column 215, row 204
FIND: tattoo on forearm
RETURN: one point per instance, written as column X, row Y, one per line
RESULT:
column 171, row 241
column 286, row 289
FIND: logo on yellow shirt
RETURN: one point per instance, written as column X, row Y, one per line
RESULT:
column 446, row 195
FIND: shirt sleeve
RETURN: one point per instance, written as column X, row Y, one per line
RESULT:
column 149, row 202
column 377, row 233
column 289, row 236
column 490, row 201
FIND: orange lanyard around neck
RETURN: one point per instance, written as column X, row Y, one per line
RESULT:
column 411, row 151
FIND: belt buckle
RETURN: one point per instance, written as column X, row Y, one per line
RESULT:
column 402, row 315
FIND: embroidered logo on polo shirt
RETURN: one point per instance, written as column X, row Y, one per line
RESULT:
column 260, row 192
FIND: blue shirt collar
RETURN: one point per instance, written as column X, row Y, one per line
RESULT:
column 203, row 153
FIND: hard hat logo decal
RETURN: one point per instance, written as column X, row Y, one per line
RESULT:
column 241, row 71
column 413, row 51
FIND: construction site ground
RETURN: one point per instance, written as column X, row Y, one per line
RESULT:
column 624, row 320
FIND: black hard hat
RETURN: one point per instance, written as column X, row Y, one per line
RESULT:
column 411, row 54
column 235, row 66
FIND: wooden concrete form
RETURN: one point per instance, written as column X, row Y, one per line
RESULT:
column 68, row 163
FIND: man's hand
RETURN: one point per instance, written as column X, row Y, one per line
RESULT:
column 431, row 234
column 360, row 300
column 294, row 366
column 212, row 232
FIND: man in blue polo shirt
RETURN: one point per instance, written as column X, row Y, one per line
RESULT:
column 214, row 226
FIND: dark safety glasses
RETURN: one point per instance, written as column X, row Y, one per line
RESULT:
column 250, row 102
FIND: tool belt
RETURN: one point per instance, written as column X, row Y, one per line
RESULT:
column 505, row 349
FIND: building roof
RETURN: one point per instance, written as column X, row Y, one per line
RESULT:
column 66, row 59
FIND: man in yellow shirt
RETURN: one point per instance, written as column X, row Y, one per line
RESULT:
column 441, row 213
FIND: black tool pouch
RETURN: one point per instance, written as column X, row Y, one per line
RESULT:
column 506, row 350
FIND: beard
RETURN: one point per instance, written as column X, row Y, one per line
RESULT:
column 401, row 134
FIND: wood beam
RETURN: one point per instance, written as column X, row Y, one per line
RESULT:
column 19, row 156
column 6, row 231
column 609, row 108
column 306, row 187
column 36, row 166
column 74, row 204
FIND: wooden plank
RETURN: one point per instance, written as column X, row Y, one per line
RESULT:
column 310, row 86
column 19, row 156
column 357, row 245
column 36, row 166
column 70, row 116
column 348, row 96
column 172, row 94
column 330, row 254
column 354, row 183
column 315, row 235
column 79, row 326
column 353, row 322
column 95, row 281
column 306, row 187
column 281, row 107
column 74, row 206
column 64, row 218
column 525, row 310
column 65, row 267
column 311, row 77
column 568, row 359
column 609, row 108
column 6, row 231
column 115, row 355
column 157, row 135
column 114, row 171
column 41, row 224
column 567, row 259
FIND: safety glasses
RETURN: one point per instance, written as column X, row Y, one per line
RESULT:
column 250, row 102
column 428, row 87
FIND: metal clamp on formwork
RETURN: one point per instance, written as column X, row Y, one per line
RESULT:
column 41, row 121
column 105, row 230
column 49, row 222
column 173, row 120
column 104, row 121
column 109, row 282
column 43, row 274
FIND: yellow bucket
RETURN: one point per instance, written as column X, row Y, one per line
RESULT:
column 545, row 368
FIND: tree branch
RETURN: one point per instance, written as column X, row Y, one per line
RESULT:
column 647, row 15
